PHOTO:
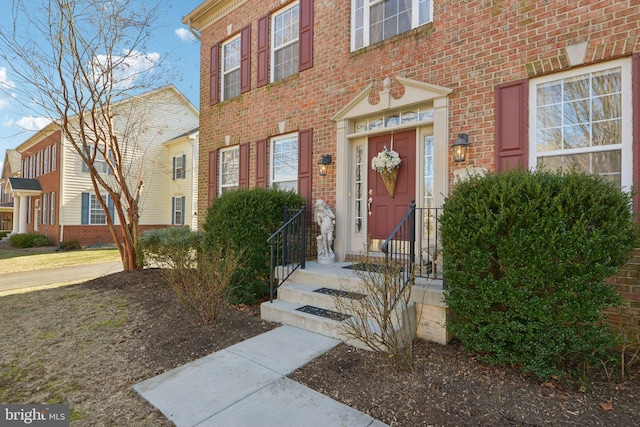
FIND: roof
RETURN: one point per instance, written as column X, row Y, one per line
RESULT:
column 188, row 133
column 25, row 184
column 12, row 163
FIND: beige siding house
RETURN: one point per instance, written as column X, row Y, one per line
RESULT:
column 152, row 128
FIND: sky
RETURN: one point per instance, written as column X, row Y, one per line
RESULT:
column 170, row 35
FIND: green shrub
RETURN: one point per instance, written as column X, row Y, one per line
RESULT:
column 172, row 247
column 4, row 234
column 525, row 256
column 242, row 221
column 70, row 245
column 29, row 240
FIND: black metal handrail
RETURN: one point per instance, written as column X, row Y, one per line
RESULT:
column 288, row 249
column 414, row 250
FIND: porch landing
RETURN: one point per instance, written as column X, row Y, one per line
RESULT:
column 311, row 290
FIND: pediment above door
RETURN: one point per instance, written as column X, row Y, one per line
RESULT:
column 415, row 92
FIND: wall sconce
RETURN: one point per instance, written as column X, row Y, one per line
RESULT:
column 324, row 161
column 459, row 148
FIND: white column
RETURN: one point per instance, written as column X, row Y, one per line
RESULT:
column 16, row 214
column 441, row 160
column 22, row 227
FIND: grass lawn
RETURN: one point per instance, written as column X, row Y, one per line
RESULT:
column 14, row 260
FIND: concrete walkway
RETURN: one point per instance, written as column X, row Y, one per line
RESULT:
column 246, row 385
column 56, row 276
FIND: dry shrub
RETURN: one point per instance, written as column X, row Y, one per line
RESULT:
column 203, row 291
column 382, row 320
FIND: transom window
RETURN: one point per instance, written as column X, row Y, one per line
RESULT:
column 229, row 169
column 375, row 20
column 284, row 162
column 284, row 54
column 583, row 121
column 231, row 68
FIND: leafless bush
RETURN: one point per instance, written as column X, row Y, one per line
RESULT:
column 383, row 320
column 203, row 291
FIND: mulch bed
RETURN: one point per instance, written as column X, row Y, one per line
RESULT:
column 87, row 345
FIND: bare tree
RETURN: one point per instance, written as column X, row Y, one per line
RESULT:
column 76, row 61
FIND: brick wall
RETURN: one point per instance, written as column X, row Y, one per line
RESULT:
column 89, row 235
column 49, row 182
column 628, row 284
column 471, row 47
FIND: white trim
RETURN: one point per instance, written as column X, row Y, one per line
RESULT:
column 223, row 72
column 625, row 147
column 272, row 44
column 272, row 142
column 366, row 21
column 236, row 184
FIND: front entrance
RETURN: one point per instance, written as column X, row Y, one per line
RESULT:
column 386, row 212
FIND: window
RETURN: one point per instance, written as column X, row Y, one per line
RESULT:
column 284, row 162
column 53, row 208
column 47, row 162
column 584, row 121
column 99, row 162
column 229, row 169
column 177, row 209
column 284, row 42
column 376, row 20
column 54, row 157
column 179, row 166
column 92, row 212
column 231, row 68
column 360, row 188
column 46, row 206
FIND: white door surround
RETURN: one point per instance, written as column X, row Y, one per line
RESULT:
column 423, row 107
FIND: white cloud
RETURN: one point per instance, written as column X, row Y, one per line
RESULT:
column 185, row 35
column 130, row 66
column 32, row 123
column 6, row 86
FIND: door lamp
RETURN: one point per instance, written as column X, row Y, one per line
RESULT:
column 325, row 160
column 459, row 148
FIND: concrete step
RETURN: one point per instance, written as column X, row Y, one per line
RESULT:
column 309, row 295
column 287, row 313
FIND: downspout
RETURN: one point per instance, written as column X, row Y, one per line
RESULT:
column 194, row 181
column 193, row 31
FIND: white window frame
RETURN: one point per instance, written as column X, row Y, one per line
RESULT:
column 292, row 162
column 235, row 68
column 93, row 199
column 227, row 181
column 179, row 169
column 366, row 6
column 178, row 209
column 272, row 43
column 627, row 118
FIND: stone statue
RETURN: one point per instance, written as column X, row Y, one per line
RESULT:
column 326, row 219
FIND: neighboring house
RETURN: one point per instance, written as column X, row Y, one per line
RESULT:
column 183, row 190
column 54, row 195
column 283, row 83
column 10, row 169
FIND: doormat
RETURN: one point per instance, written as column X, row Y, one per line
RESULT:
column 360, row 266
column 341, row 294
column 317, row 311
column 373, row 268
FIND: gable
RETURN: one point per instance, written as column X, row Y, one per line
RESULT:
column 415, row 92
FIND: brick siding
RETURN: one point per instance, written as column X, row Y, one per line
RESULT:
column 471, row 47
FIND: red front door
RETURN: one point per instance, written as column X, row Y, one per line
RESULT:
column 386, row 212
